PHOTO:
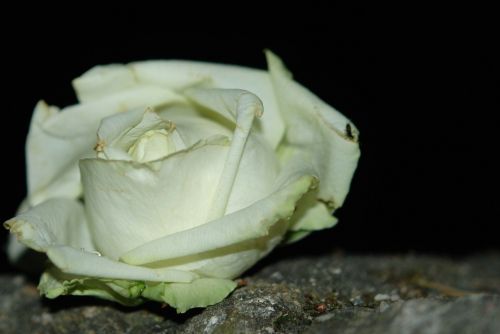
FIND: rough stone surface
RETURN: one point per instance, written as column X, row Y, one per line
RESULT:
column 324, row 294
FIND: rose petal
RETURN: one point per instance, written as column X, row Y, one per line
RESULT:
column 319, row 140
column 250, row 157
column 181, row 75
column 118, row 133
column 102, row 81
column 249, row 223
column 184, row 296
column 58, row 227
column 242, row 108
column 79, row 262
column 58, row 221
column 191, row 125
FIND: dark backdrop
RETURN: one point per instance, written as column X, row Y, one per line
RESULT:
column 422, row 101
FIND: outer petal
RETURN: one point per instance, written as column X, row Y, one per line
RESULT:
column 57, row 221
column 55, row 283
column 228, row 261
column 78, row 262
column 319, row 141
column 184, row 296
column 310, row 215
column 250, row 223
column 101, row 81
column 180, row 75
column 51, row 159
column 58, row 227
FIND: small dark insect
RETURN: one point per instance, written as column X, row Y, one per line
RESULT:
column 320, row 308
column 348, row 131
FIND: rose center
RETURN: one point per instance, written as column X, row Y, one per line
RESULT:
column 152, row 145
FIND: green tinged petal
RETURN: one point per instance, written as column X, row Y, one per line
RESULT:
column 184, row 296
column 310, row 215
column 55, row 283
column 181, row 296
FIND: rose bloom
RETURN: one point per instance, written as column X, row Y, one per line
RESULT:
column 198, row 171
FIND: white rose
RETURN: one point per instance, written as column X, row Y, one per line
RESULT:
column 187, row 185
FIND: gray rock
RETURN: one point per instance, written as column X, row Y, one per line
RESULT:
column 472, row 314
column 259, row 308
column 324, row 294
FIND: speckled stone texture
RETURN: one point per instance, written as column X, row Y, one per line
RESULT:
column 332, row 293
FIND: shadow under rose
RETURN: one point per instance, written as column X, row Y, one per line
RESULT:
column 66, row 303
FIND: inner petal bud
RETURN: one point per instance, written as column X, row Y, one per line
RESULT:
column 152, row 145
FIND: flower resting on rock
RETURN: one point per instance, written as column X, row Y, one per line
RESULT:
column 198, row 171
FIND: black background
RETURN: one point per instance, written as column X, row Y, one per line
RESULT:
column 424, row 103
